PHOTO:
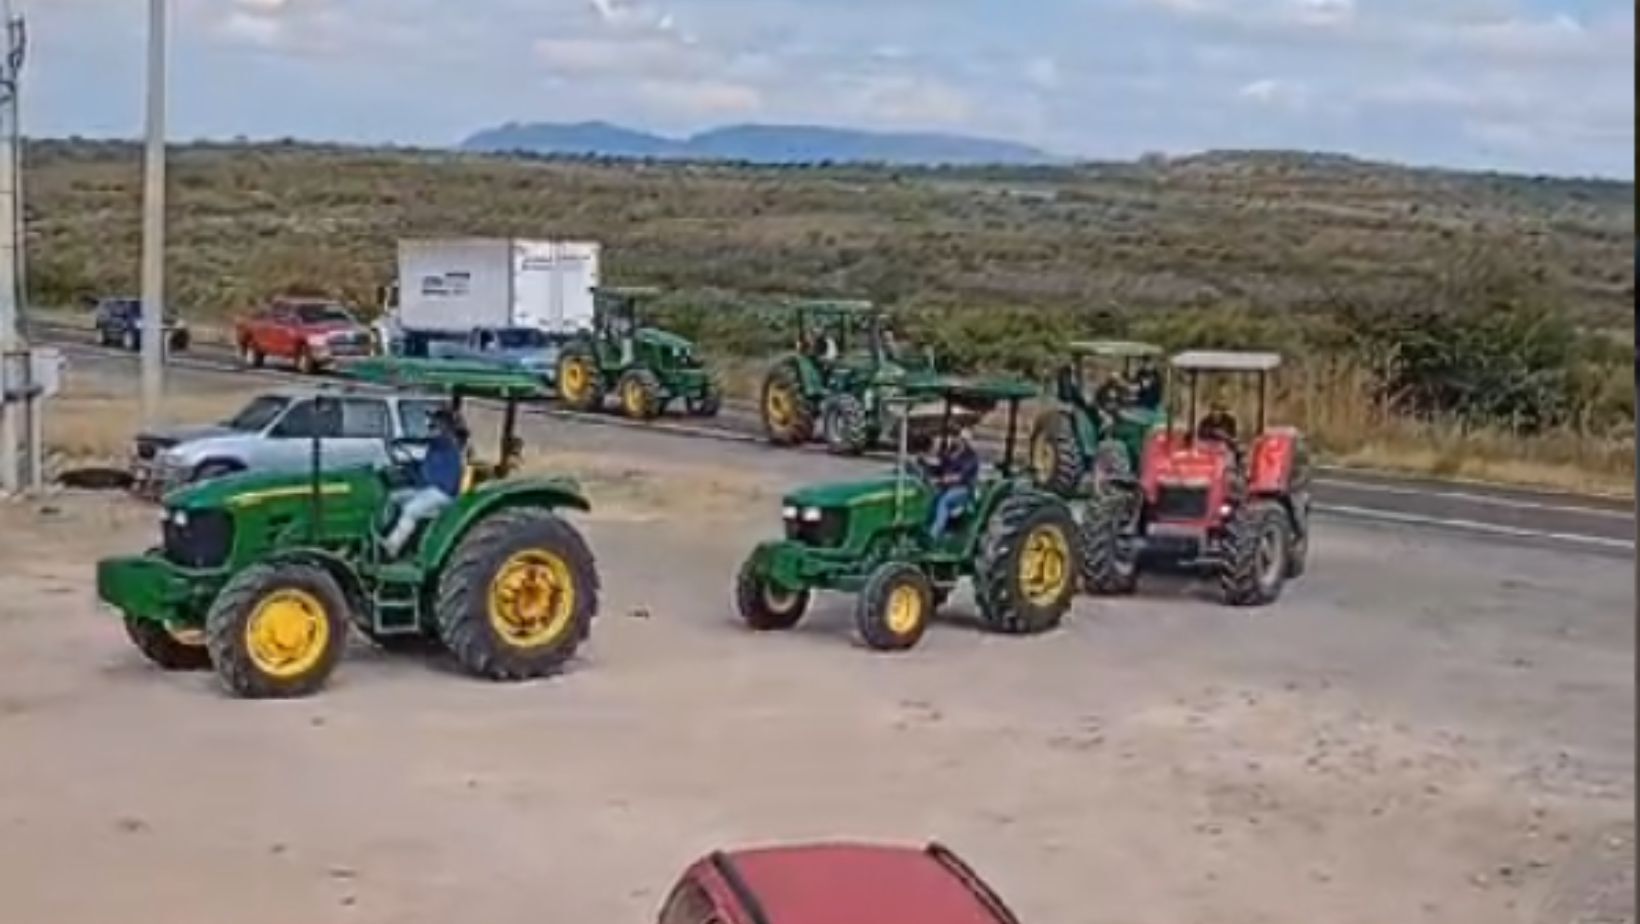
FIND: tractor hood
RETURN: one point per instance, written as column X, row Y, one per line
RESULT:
column 853, row 493
column 664, row 340
column 253, row 488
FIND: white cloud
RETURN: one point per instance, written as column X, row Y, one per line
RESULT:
column 1271, row 91
column 1043, row 72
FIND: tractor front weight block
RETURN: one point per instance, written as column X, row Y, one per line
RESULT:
column 149, row 587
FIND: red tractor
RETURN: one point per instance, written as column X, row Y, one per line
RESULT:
column 833, row 884
column 1209, row 497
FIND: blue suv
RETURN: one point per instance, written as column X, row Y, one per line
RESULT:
column 119, row 323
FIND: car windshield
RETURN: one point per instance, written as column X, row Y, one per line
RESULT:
column 323, row 313
column 521, row 339
column 416, row 417
column 257, row 415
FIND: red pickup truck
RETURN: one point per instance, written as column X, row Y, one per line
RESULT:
column 311, row 333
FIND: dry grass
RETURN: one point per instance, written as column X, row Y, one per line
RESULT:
column 90, row 425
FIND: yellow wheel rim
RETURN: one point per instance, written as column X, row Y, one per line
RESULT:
column 634, row 398
column 1044, row 565
column 1042, row 455
column 532, row 599
column 575, row 378
column 904, row 610
column 778, row 404
column 288, row 633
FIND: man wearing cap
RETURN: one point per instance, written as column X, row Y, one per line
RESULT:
column 954, row 474
column 438, row 480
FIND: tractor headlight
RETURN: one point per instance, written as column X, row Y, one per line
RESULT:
column 788, row 512
column 179, row 519
column 811, row 514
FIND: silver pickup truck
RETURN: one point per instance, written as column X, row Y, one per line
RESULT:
column 274, row 432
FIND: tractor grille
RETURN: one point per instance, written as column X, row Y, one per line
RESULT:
column 1178, row 502
column 203, row 543
column 826, row 532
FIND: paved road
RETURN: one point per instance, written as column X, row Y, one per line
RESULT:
column 1599, row 525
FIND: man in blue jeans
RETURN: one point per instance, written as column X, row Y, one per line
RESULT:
column 438, row 478
column 954, row 474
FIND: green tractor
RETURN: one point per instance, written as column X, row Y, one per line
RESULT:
column 645, row 367
column 1016, row 543
column 1092, row 436
column 260, row 576
column 841, row 380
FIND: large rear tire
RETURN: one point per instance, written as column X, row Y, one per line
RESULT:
column 277, row 630
column 844, row 423
column 765, row 608
column 1055, row 457
column 788, row 417
column 171, row 649
column 894, row 608
column 1025, row 579
column 580, row 384
column 640, row 394
column 1110, row 556
column 518, row 595
column 1256, row 547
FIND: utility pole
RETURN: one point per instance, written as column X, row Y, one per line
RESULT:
column 153, row 222
column 14, row 359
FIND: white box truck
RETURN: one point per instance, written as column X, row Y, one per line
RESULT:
column 503, row 298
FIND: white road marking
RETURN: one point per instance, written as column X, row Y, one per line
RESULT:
column 1496, row 529
column 1467, row 497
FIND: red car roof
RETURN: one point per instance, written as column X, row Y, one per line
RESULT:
column 863, row 884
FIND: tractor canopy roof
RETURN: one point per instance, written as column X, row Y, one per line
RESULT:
column 861, row 884
column 1225, row 361
column 1118, row 349
column 838, row 306
column 982, row 393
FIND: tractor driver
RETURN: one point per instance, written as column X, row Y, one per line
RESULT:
column 1147, row 384
column 1113, row 393
column 1219, row 424
column 954, row 474
column 438, row 479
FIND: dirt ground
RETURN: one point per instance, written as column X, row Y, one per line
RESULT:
column 1426, row 728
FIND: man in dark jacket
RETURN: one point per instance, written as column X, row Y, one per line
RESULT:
column 438, row 480
column 954, row 474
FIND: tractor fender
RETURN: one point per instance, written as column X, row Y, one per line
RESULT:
column 1274, row 460
column 469, row 509
column 339, row 568
column 807, row 373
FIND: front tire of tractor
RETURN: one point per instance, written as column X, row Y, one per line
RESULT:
column 640, row 393
column 843, row 421
column 1257, row 545
column 1025, row 579
column 518, row 596
column 277, row 630
column 894, row 607
column 580, row 384
column 1110, row 473
column 166, row 648
column 708, row 404
column 788, row 418
column 1056, row 459
column 765, row 608
column 1110, row 558
column 1298, row 554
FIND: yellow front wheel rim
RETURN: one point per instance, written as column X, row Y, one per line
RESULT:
column 634, row 398
column 532, row 598
column 904, row 610
column 1044, row 566
column 288, row 633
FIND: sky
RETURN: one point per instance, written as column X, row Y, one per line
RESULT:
column 1535, row 86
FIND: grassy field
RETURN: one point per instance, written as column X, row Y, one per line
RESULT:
column 1306, row 253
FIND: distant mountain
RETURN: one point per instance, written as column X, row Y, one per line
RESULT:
column 768, row 144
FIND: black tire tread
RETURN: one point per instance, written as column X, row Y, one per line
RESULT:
column 594, row 397
column 1060, row 431
column 753, row 606
column 871, row 606
column 802, row 428
column 651, row 386
column 225, row 630
column 461, row 611
column 1239, row 574
column 996, row 573
column 1104, row 570
column 848, row 432
column 157, row 645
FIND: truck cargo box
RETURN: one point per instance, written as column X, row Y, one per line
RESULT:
column 460, row 284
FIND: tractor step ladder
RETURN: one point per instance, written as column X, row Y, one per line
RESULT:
column 397, row 599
